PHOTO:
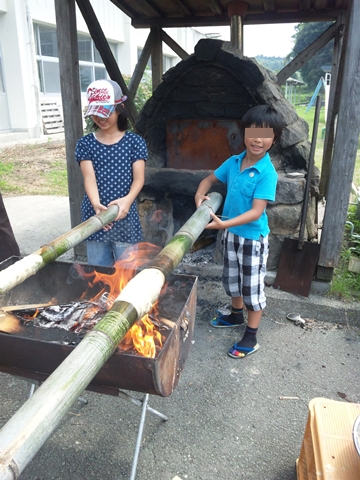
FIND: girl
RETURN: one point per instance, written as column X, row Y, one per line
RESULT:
column 112, row 161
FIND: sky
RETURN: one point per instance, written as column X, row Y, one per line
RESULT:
column 268, row 40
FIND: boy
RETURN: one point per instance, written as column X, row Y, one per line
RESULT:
column 251, row 182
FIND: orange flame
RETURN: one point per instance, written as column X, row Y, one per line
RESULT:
column 142, row 337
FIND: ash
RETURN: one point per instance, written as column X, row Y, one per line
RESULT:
column 199, row 257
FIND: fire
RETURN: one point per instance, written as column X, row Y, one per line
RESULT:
column 143, row 336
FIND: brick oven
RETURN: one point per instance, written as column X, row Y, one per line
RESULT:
column 191, row 125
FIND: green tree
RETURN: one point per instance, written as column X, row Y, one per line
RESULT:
column 306, row 33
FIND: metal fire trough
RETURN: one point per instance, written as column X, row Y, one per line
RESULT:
column 34, row 357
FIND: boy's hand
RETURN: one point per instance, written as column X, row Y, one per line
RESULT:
column 199, row 199
column 216, row 223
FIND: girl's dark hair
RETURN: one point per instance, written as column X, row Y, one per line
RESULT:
column 263, row 116
column 123, row 118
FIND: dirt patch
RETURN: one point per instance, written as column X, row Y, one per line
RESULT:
column 34, row 169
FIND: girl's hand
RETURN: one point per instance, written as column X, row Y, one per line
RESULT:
column 216, row 223
column 124, row 207
column 101, row 208
column 199, row 199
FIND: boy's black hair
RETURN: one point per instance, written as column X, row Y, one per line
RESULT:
column 263, row 116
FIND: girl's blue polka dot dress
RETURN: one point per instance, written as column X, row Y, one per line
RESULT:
column 113, row 169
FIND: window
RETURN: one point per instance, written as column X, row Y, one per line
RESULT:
column 91, row 66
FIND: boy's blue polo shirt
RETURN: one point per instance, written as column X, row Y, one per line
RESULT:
column 258, row 181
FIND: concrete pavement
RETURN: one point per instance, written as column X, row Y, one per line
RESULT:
column 227, row 418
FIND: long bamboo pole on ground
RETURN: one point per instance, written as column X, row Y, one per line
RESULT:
column 29, row 265
column 25, row 433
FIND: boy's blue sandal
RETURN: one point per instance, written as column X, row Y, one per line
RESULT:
column 221, row 321
column 236, row 351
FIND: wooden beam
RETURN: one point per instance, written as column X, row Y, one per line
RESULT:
column 306, row 54
column 157, row 60
column 180, row 52
column 333, row 107
column 260, row 18
column 106, row 54
column 215, row 7
column 184, row 8
column 71, row 97
column 304, row 4
column 141, row 64
column 320, row 4
column 269, row 5
column 346, row 142
column 149, row 8
column 124, row 6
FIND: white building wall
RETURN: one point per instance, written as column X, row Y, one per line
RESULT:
column 19, row 56
column 18, row 68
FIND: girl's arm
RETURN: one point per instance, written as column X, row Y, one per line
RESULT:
column 203, row 188
column 90, row 185
column 125, row 203
column 258, row 207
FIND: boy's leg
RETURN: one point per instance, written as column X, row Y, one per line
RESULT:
column 99, row 253
column 254, row 269
column 232, row 284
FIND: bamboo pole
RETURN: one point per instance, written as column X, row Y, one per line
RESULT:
column 29, row 265
column 25, row 433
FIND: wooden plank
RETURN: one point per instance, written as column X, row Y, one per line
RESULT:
column 344, row 158
column 157, row 60
column 304, row 4
column 250, row 19
column 306, row 54
column 269, row 5
column 184, row 8
column 70, row 92
column 333, row 108
column 215, row 7
column 180, row 52
column 320, row 4
column 105, row 52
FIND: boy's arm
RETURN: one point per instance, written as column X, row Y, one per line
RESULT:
column 203, row 188
column 258, row 206
column 125, row 203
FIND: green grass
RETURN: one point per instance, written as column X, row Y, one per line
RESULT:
column 5, row 169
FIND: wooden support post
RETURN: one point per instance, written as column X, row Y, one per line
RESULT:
column 71, row 96
column 141, row 64
column 346, row 142
column 157, row 60
column 237, row 12
column 333, row 107
column 106, row 54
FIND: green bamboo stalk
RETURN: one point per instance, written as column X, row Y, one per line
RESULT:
column 29, row 265
column 33, row 423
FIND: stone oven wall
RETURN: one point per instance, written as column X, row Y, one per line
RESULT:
column 215, row 83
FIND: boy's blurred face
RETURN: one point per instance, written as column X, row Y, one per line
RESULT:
column 258, row 140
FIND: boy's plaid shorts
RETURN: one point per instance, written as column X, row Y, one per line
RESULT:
column 245, row 268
